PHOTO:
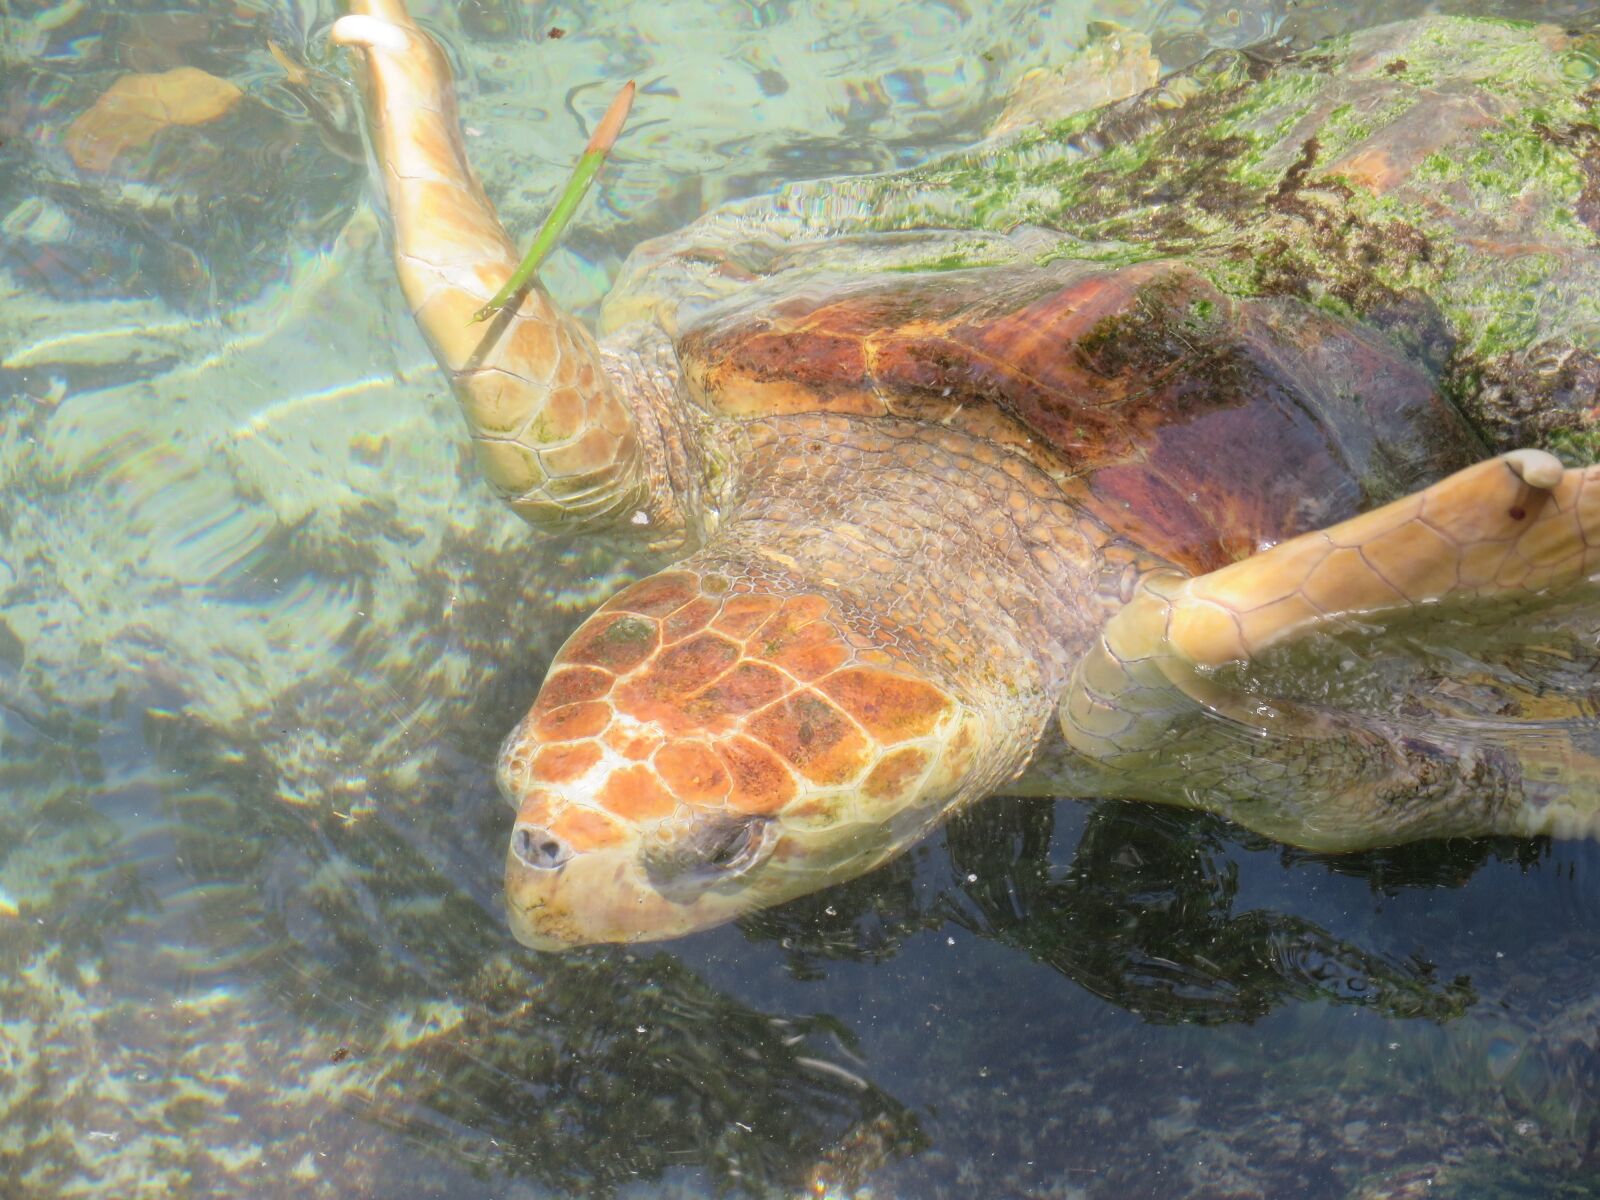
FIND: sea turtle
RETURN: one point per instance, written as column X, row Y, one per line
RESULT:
column 1144, row 451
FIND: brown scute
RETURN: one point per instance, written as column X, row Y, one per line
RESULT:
column 761, row 783
column 691, row 665
column 656, row 596
column 747, row 687
column 616, row 641
column 572, row 467
column 814, row 736
column 947, row 340
column 799, row 641
column 1083, row 366
column 584, row 829
column 636, row 794
column 565, row 762
column 693, row 772
column 574, row 721
column 571, row 685
column 1218, row 395
column 796, row 358
column 657, row 697
column 637, row 743
column 896, row 773
column 1157, row 514
column 797, row 610
column 961, row 751
column 494, row 401
column 870, row 310
column 540, row 808
column 691, row 618
column 802, row 356
column 810, row 652
column 818, row 811
column 644, row 704
column 564, row 409
column 742, row 615
column 891, row 707
column 935, row 365
column 535, row 342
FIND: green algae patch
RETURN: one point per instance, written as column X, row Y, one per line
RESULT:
column 1104, row 254
column 1576, row 447
column 1353, row 124
column 1293, row 89
column 946, row 262
column 1482, row 50
column 1516, row 162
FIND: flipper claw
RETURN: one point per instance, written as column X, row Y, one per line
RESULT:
column 373, row 33
column 1536, row 468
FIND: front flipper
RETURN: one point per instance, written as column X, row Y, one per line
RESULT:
column 553, row 433
column 1425, row 669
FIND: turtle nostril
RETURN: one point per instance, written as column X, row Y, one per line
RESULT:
column 539, row 848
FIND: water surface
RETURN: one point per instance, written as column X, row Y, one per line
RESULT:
column 261, row 631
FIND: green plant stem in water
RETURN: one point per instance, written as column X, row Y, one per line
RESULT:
column 605, row 136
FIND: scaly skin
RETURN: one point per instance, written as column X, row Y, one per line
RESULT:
column 550, row 428
column 1515, row 526
column 932, row 509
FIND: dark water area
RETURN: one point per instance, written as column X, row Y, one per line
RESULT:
column 1044, row 1000
column 262, row 631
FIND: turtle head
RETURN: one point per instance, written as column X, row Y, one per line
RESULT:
column 700, row 750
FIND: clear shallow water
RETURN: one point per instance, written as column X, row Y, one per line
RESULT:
column 262, row 632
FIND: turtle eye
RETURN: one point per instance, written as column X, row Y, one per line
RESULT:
column 738, row 847
column 712, row 852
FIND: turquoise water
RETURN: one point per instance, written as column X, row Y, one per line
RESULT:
column 261, row 631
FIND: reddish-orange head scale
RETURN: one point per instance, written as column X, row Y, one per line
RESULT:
column 692, row 734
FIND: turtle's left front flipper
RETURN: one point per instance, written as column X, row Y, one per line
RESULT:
column 1426, row 669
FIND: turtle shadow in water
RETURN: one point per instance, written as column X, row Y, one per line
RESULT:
column 1145, row 914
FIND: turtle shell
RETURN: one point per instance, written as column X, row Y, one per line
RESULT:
column 1201, row 425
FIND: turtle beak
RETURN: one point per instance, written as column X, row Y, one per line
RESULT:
column 557, row 899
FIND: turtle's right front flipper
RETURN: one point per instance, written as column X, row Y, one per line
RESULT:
column 1425, row 669
column 551, row 431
